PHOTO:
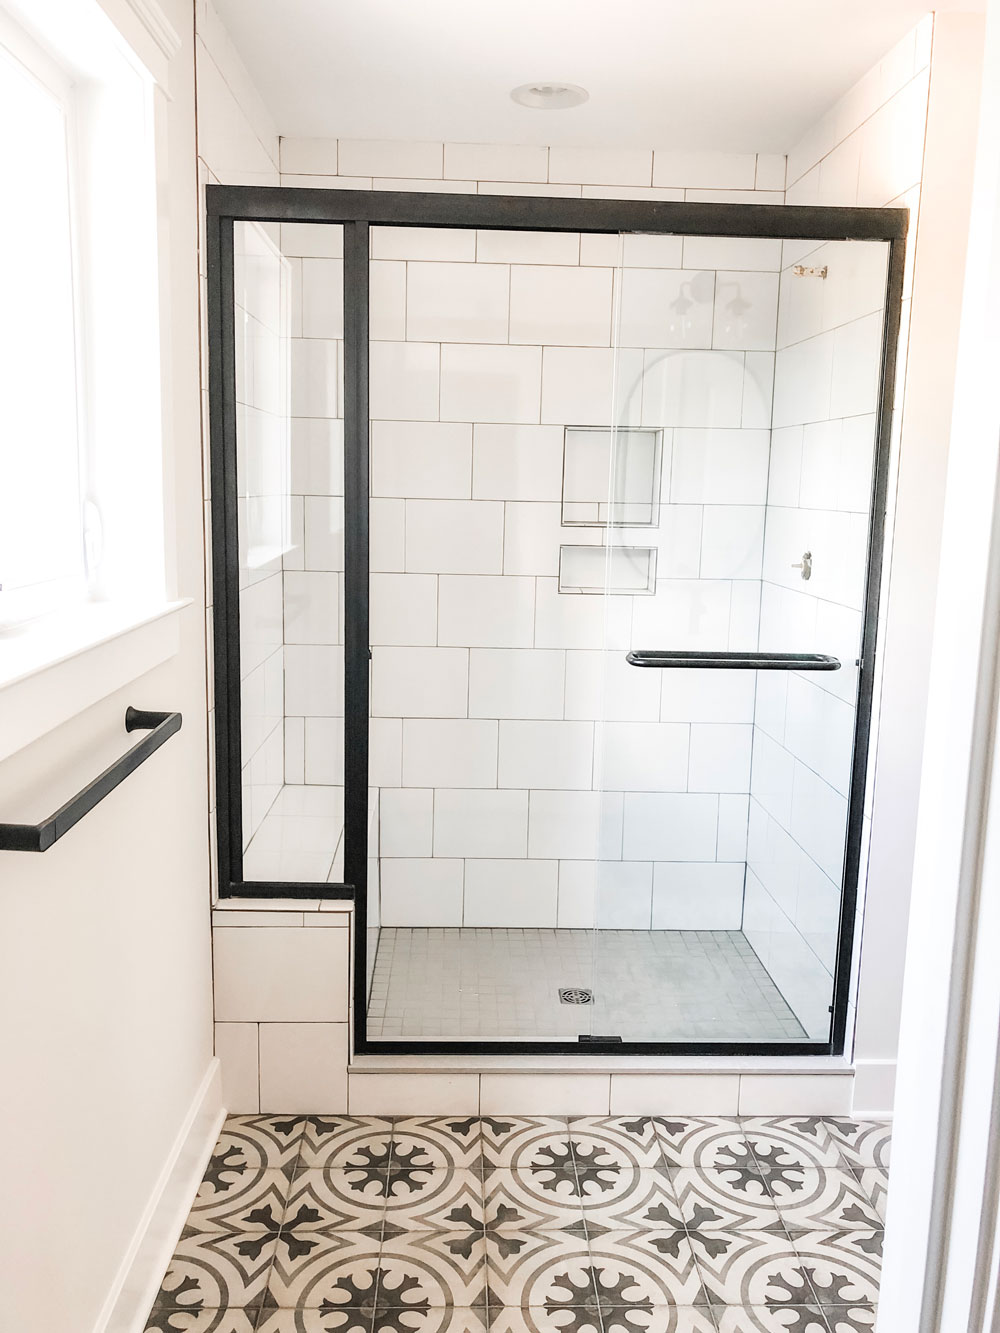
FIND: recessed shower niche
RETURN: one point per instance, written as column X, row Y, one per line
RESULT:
column 508, row 501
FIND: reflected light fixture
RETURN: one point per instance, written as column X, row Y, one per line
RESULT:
column 549, row 96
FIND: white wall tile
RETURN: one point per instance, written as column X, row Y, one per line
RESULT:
column 312, row 607
column 387, row 300
column 317, row 456
column 278, row 975
column 423, row 186
column 719, row 467
column 691, row 388
column 457, row 243
column 324, row 750
column 517, row 462
column 603, row 685
column 819, row 730
column 532, row 538
column 613, row 895
column 403, row 381
column 744, row 253
column 314, row 377
column 424, row 892
column 856, row 367
column 563, row 621
column 795, row 1094
column 771, row 170
column 294, row 750
column 577, row 385
column 554, row 755
column 406, row 822
column 385, row 757
column 454, row 536
column 420, row 682
column 746, row 310
column 685, row 614
column 693, row 695
column 314, row 680
column 552, row 304
column 758, row 390
column 697, row 896
column 490, row 161
column 704, row 170
column 461, row 303
column 403, row 609
column 390, row 157
column 308, row 157
column 510, row 893
column 645, row 252
column 720, row 758
column 513, row 683
column 323, row 522
column 819, row 821
column 528, row 247
column 785, row 473
column 733, row 820
column 303, row 1066
column 602, row 166
column 642, row 756
column 480, row 824
column 422, row 460
column 531, row 189
column 322, row 298
column 486, row 383
column 387, row 526
column 574, row 825
column 666, row 308
column 324, row 240
column 670, row 827
column 413, row 1093
column 732, row 541
column 485, row 612
column 683, row 1094
column 544, row 1094
column 236, row 1047
column 449, row 753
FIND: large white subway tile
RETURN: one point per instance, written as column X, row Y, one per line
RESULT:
column 574, row 825
column 602, row 166
column 312, row 607
column 528, row 247
column 694, row 695
column 517, row 462
column 666, row 308
column 690, row 388
column 420, row 892
column 323, row 760
column 314, row 378
column 732, row 541
column 648, row 193
column 578, row 384
column 819, row 730
column 757, row 254
column 796, row 1094
column 510, row 893
column 614, row 895
column 720, row 757
column 553, row 304
column 450, row 753
column 496, row 162
column 819, row 821
column 697, row 895
column 565, row 621
column 420, row 682
column 785, row 472
column 746, row 311
column 307, row 157
column 303, row 1066
column 733, row 821
column 684, row 614
column 323, row 240
column 480, row 824
column 406, row 822
column 724, row 467
column 771, row 171
column 317, row 456
column 803, row 375
column 602, row 685
column 280, row 975
column 675, row 1094
column 423, row 186
column 650, row 252
column 514, row 683
column 314, row 680
column 387, row 544
column 856, row 367
column 461, row 303
column 670, row 827
column 403, row 381
column 771, row 777
column 390, row 157
column 322, row 298
column 531, row 189
column 236, row 1048
column 387, row 300
column 403, row 609
column 486, row 612
column 642, row 756
column 323, row 532
column 454, row 536
column 704, row 170
column 490, row 383
column 544, row 1094
column 456, row 243
column 413, row 1094
column 385, row 751
column 758, row 390
column 422, row 460
column 556, row 755
column 532, row 537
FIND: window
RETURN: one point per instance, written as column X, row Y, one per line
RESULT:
column 41, row 526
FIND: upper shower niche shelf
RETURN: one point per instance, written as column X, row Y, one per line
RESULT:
column 598, row 460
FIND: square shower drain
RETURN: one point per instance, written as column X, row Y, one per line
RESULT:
column 575, row 995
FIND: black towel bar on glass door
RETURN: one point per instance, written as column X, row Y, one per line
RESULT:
column 40, row 837
column 642, row 657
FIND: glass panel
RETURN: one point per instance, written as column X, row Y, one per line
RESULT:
column 491, row 377
column 289, row 359
column 719, row 897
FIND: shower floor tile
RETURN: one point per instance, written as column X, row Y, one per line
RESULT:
column 503, row 984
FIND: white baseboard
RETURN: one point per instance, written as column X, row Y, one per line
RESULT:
column 138, row 1278
column 874, row 1087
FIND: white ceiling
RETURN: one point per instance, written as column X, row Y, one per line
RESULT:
column 730, row 74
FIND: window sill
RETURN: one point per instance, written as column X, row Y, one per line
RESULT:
column 60, row 665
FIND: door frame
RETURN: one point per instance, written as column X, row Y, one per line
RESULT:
column 356, row 211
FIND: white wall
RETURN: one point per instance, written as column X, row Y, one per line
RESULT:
column 105, row 953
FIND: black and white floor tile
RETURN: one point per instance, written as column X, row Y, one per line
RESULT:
column 533, row 1224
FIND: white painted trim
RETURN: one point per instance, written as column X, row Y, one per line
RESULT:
column 138, row 1278
column 154, row 19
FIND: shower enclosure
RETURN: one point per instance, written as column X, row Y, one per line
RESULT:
column 547, row 546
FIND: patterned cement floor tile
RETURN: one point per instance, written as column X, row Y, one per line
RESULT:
column 657, row 1319
column 545, row 1319
column 445, row 1143
column 688, row 1141
column 806, row 1141
column 771, row 1319
column 202, row 1321
column 860, row 1142
column 342, row 1198
column 626, row 1200
column 851, row 1318
column 430, row 1319
column 751, row 1268
column 842, row 1267
column 540, row 1269
column 340, row 1269
column 435, row 1201
column 520, row 1142
column 620, row 1142
column 630, row 1269
column 432, row 1270
column 340, row 1141
column 729, row 1200
column 874, row 1180
column 263, row 1140
column 251, row 1200
column 823, row 1200
column 217, row 1271
column 532, row 1200
column 340, row 1320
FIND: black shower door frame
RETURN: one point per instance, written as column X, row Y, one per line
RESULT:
column 357, row 211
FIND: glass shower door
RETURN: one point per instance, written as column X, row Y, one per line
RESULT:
column 739, row 490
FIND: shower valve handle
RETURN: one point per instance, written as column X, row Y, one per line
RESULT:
column 805, row 564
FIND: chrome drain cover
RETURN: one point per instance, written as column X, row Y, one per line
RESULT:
column 576, row 995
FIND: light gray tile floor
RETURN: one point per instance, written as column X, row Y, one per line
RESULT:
column 503, row 984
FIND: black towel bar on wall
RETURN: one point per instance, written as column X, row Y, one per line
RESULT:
column 641, row 657
column 40, row 837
